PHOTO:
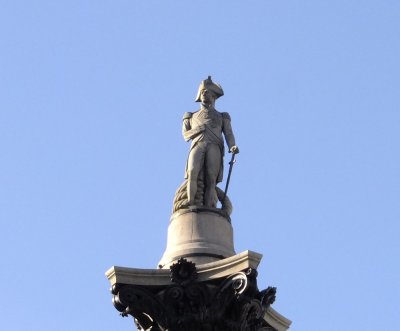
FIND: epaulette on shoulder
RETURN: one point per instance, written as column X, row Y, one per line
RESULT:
column 226, row 116
column 187, row 115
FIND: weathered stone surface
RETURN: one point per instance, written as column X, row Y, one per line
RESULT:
column 181, row 199
column 201, row 235
column 208, row 271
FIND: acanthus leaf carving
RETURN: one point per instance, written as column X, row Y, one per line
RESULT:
column 233, row 303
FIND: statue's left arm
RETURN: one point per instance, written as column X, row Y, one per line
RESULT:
column 228, row 133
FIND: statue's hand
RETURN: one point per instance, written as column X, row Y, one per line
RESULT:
column 234, row 150
column 202, row 128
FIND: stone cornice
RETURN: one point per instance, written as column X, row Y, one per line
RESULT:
column 207, row 271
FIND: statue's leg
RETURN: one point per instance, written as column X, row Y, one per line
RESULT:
column 195, row 163
column 213, row 164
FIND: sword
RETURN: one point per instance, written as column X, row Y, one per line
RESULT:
column 233, row 160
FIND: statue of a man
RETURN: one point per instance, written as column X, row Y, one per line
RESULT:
column 205, row 128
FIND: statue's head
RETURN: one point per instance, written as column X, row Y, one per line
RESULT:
column 211, row 87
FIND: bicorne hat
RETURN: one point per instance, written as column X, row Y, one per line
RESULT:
column 208, row 84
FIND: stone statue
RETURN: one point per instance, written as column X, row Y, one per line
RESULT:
column 204, row 169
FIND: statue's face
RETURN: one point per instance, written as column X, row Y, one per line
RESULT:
column 207, row 97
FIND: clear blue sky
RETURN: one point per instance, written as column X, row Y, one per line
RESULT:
column 92, row 95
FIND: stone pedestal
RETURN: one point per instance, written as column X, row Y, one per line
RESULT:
column 201, row 235
column 216, row 296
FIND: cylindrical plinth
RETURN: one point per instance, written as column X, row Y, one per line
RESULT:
column 200, row 235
